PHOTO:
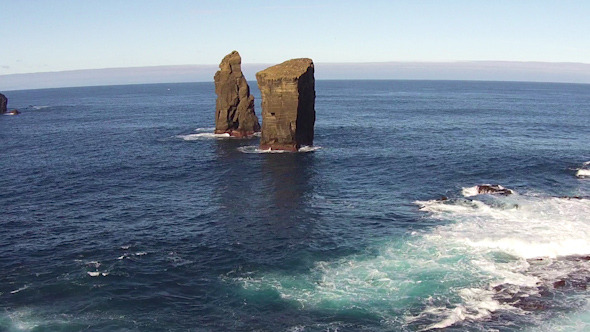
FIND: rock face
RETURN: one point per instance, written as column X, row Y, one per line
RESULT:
column 3, row 103
column 234, row 111
column 288, row 105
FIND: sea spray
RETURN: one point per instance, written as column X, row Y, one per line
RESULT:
column 453, row 273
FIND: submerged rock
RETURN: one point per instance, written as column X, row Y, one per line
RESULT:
column 3, row 103
column 288, row 105
column 234, row 110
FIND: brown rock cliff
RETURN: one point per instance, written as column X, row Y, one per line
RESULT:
column 288, row 105
column 234, row 110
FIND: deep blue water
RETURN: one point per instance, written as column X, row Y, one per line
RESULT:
column 119, row 212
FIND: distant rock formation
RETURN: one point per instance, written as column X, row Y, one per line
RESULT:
column 234, row 111
column 3, row 103
column 288, row 105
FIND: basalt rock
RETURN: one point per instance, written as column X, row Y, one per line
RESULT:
column 288, row 105
column 234, row 110
column 494, row 189
column 3, row 103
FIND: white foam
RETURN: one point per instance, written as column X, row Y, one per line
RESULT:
column 478, row 305
column 20, row 289
column 128, row 255
column 307, row 148
column 470, row 191
column 533, row 227
column 204, row 136
column 22, row 320
column 94, row 264
column 256, row 149
column 451, row 270
column 584, row 171
column 202, row 130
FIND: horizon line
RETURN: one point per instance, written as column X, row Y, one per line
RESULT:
column 321, row 63
column 479, row 70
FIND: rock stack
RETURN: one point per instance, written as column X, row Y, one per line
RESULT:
column 234, row 111
column 288, row 105
column 3, row 103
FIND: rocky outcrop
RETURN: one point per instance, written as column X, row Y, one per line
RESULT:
column 3, row 103
column 234, row 110
column 494, row 189
column 288, row 105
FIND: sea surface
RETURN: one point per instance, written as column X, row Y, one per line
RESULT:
column 121, row 211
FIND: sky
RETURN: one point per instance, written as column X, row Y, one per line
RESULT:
column 58, row 35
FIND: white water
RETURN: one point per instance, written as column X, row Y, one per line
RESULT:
column 517, row 229
column 447, row 275
column 20, row 320
column 204, row 136
column 584, row 171
column 255, row 149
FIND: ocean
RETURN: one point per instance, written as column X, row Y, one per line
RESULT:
column 121, row 211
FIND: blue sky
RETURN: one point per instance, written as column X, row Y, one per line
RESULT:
column 41, row 36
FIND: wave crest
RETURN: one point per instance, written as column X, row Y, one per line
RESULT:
column 204, row 136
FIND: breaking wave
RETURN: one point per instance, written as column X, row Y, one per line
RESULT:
column 203, row 136
column 500, row 254
column 584, row 171
column 208, row 134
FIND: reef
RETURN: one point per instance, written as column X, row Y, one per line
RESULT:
column 234, row 110
column 288, row 105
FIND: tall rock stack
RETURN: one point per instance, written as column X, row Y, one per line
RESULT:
column 234, row 111
column 3, row 103
column 288, row 105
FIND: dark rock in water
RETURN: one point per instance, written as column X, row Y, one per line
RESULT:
column 575, row 197
column 3, row 103
column 288, row 105
column 234, row 110
column 494, row 189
